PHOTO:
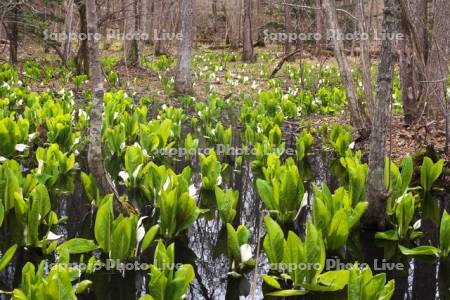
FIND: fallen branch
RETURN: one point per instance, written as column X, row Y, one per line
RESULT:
column 283, row 60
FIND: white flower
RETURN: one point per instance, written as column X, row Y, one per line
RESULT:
column 123, row 175
column 246, row 252
column 417, row 224
column 140, row 233
column 352, row 145
column 192, row 190
column 53, row 237
column 21, row 147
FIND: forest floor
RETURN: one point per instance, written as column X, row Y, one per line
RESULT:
column 222, row 71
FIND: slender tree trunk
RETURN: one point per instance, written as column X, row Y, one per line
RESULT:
column 365, row 57
column 68, row 21
column 14, row 40
column 376, row 191
column 408, row 88
column 437, row 62
column 183, row 78
column 319, row 19
column 287, row 28
column 413, row 56
column 359, row 118
column 247, row 54
column 82, row 58
column 95, row 157
column 131, row 51
column 233, row 15
column 162, row 15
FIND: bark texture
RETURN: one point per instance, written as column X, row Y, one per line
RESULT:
column 95, row 157
column 183, row 78
column 247, row 54
column 131, row 28
column 365, row 57
column 376, row 191
column 68, row 21
column 358, row 115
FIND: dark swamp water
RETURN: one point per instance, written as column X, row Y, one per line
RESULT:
column 205, row 244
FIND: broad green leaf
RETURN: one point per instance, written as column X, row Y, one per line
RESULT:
column 83, row 286
column 330, row 281
column 2, row 213
column 421, row 250
column 7, row 256
column 233, row 244
column 78, row 246
column 121, row 239
column 294, row 254
column 287, row 293
column 444, row 234
column 274, row 241
column 180, row 283
column 271, row 281
column 390, row 235
column 149, row 237
column 90, row 188
column 266, row 193
column 339, row 230
column 315, row 250
column 103, row 225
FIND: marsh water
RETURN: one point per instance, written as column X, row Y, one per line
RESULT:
column 205, row 245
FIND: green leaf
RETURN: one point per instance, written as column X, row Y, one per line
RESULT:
column 7, row 256
column 421, row 250
column 233, row 244
column 271, row 281
column 444, row 234
column 103, row 225
column 2, row 213
column 149, row 237
column 83, row 286
column 179, row 285
column 78, row 246
column 294, row 254
column 90, row 188
column 339, row 230
column 315, row 250
column 40, row 207
column 274, row 241
column 404, row 214
column 390, row 235
column 266, row 193
column 287, row 293
column 330, row 281
column 121, row 239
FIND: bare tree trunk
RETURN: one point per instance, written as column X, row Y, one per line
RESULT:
column 319, row 27
column 130, row 44
column 408, row 88
column 287, row 28
column 95, row 157
column 233, row 15
column 437, row 62
column 159, row 43
column 107, row 42
column 14, row 39
column 144, row 20
column 365, row 56
column 183, row 78
column 359, row 118
column 82, row 58
column 376, row 192
column 413, row 55
column 68, row 20
column 247, row 54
